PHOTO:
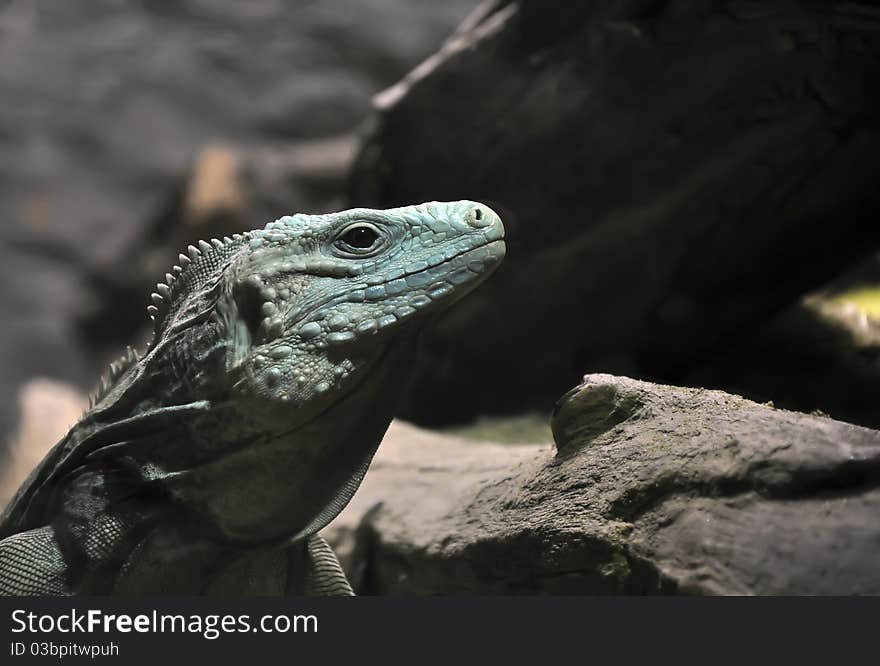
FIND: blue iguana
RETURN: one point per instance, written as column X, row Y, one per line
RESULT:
column 209, row 462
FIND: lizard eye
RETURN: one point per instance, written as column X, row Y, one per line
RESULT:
column 358, row 239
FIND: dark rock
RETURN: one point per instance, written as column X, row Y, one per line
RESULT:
column 683, row 491
column 672, row 175
column 820, row 354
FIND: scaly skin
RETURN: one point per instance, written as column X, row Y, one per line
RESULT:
column 209, row 463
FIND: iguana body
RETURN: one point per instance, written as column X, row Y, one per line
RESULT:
column 209, row 463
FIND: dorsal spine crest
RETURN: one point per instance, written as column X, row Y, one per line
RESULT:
column 113, row 373
column 178, row 280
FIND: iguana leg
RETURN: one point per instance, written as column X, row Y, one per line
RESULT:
column 31, row 564
column 324, row 575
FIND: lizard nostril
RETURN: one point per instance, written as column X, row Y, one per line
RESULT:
column 479, row 217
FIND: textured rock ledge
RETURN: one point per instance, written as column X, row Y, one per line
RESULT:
column 653, row 489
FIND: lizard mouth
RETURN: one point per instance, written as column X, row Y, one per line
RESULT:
column 444, row 275
column 474, row 262
column 469, row 268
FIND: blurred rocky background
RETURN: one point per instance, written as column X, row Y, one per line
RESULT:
column 130, row 128
column 690, row 191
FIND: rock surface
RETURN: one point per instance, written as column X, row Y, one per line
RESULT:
column 653, row 489
column 671, row 174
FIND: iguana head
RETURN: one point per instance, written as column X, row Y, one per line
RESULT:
column 286, row 315
column 294, row 341
column 312, row 299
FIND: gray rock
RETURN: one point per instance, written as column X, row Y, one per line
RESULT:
column 671, row 174
column 653, row 489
